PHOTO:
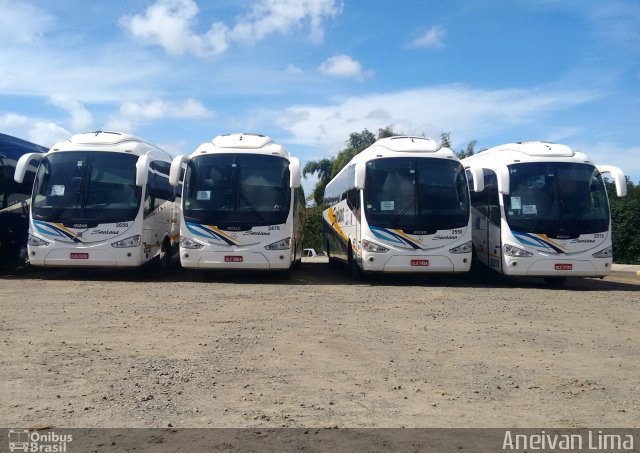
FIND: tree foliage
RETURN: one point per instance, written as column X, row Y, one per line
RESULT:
column 326, row 169
column 312, row 228
column 625, row 220
column 445, row 142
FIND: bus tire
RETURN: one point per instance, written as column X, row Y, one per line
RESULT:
column 332, row 261
column 356, row 272
column 555, row 282
column 23, row 259
column 162, row 260
column 283, row 274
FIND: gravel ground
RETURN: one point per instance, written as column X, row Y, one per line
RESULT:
column 197, row 349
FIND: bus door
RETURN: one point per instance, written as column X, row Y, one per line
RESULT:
column 494, row 217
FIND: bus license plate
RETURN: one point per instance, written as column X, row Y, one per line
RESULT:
column 233, row 259
column 79, row 256
column 419, row 262
column 564, row 267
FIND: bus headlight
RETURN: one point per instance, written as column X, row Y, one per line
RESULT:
column 187, row 243
column 511, row 250
column 604, row 253
column 467, row 247
column 280, row 245
column 133, row 241
column 369, row 246
column 36, row 242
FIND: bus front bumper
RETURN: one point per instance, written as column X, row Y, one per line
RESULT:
column 557, row 267
column 85, row 257
column 378, row 262
column 276, row 260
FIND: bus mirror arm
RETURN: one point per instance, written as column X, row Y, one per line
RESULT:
column 23, row 165
column 478, row 178
column 176, row 169
column 142, row 170
column 618, row 177
column 294, row 171
column 503, row 180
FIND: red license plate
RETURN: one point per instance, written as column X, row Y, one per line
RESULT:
column 233, row 259
column 419, row 262
column 564, row 267
column 79, row 256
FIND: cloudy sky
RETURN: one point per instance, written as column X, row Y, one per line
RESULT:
column 309, row 72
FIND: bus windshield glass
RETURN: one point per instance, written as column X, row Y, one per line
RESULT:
column 416, row 194
column 242, row 190
column 561, row 199
column 86, row 187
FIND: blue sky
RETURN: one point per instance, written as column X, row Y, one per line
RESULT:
column 309, row 72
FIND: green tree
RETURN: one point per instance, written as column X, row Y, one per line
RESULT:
column 313, row 228
column 445, row 142
column 321, row 168
column 625, row 221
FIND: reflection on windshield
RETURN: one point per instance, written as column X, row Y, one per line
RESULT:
column 236, row 189
column 412, row 194
column 85, row 187
column 561, row 200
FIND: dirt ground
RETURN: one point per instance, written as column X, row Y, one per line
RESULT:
column 116, row 349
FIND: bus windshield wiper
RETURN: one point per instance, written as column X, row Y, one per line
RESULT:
column 251, row 207
column 404, row 210
column 58, row 212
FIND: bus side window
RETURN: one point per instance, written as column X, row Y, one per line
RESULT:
column 164, row 191
column 150, row 195
column 14, row 192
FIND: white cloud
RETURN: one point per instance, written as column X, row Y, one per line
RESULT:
column 465, row 111
column 430, row 38
column 342, row 66
column 293, row 69
column 80, row 118
column 133, row 113
column 34, row 129
column 281, row 16
column 22, row 23
column 170, row 24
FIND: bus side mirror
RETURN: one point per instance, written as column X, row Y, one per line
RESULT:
column 294, row 171
column 502, row 174
column 176, row 169
column 142, row 170
column 477, row 173
column 618, row 178
column 361, row 170
column 23, row 165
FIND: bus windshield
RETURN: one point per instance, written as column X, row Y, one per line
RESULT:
column 242, row 190
column 417, row 195
column 86, row 187
column 561, row 200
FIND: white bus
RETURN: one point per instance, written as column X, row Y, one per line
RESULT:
column 401, row 205
column 242, row 205
column 101, row 199
column 544, row 212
